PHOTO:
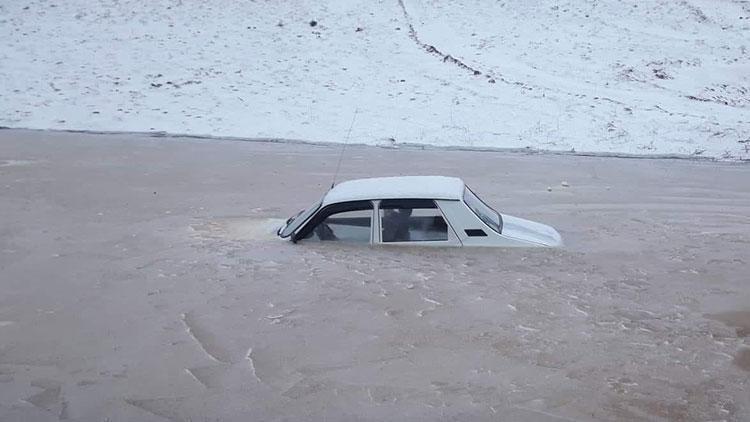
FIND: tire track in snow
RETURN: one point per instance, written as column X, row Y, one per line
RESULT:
column 449, row 58
column 431, row 48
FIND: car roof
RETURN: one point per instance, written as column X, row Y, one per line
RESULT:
column 406, row 187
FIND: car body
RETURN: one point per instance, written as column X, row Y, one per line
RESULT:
column 413, row 210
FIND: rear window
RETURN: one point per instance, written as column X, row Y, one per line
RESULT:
column 489, row 216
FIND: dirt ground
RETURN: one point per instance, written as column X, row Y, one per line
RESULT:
column 138, row 282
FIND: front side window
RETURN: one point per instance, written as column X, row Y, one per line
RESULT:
column 412, row 220
column 489, row 216
column 345, row 222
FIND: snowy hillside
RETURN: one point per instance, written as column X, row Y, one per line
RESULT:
column 635, row 77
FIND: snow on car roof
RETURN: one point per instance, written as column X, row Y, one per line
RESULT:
column 409, row 187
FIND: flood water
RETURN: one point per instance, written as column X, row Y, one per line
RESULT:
column 140, row 281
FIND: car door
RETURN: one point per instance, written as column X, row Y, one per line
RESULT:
column 413, row 222
column 349, row 222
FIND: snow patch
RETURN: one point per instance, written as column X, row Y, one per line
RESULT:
column 607, row 77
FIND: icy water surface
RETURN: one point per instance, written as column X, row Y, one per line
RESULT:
column 141, row 281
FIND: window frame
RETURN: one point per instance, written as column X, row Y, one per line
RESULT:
column 332, row 209
column 499, row 229
column 295, row 222
column 453, row 239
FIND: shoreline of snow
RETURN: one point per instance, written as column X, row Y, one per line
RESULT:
column 405, row 145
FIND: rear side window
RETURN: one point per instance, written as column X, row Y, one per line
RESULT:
column 412, row 220
column 489, row 216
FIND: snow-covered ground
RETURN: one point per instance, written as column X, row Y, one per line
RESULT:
column 635, row 77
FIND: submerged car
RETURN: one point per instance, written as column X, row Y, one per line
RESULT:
column 413, row 210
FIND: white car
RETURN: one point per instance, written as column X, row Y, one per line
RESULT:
column 412, row 210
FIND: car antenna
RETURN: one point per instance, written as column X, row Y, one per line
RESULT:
column 346, row 141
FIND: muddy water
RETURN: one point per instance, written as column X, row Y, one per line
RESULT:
column 743, row 359
column 140, row 281
column 740, row 320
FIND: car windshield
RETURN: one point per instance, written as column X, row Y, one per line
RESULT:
column 489, row 216
column 294, row 222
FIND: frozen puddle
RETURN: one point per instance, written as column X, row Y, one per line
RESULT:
column 240, row 228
